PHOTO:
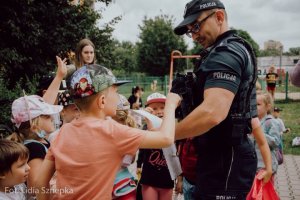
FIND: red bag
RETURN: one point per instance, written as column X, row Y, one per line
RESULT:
column 262, row 192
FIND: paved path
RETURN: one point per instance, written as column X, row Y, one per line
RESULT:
column 287, row 180
column 291, row 95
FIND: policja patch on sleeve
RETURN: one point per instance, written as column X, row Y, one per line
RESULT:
column 223, row 79
column 224, row 75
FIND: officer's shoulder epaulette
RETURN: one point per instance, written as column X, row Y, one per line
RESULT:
column 226, row 43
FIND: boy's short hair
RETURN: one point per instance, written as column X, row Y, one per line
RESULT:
column 85, row 103
column 10, row 152
column 156, row 98
column 91, row 79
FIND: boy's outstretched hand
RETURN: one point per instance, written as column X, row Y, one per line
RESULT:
column 173, row 99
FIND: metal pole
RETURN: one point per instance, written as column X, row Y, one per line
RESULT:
column 171, row 64
column 280, row 64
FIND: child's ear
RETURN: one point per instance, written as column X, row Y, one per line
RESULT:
column 101, row 101
column 33, row 128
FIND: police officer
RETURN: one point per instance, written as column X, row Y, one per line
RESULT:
column 224, row 82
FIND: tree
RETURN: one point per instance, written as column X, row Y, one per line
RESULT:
column 124, row 58
column 269, row 52
column 33, row 32
column 295, row 51
column 157, row 41
column 245, row 35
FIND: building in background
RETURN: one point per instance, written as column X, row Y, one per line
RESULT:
column 287, row 63
column 272, row 44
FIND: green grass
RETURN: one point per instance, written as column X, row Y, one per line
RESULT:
column 291, row 117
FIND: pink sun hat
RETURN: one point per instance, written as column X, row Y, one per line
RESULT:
column 29, row 107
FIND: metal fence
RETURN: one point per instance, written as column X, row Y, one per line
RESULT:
column 284, row 89
column 145, row 82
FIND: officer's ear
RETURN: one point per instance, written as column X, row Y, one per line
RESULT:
column 220, row 16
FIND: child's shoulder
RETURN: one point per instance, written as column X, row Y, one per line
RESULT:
column 105, row 124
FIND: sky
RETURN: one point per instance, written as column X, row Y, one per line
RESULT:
column 264, row 20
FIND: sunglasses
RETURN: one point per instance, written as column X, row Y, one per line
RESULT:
column 196, row 27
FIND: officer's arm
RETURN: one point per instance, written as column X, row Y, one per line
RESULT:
column 211, row 112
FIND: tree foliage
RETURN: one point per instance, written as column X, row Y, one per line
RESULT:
column 33, row 32
column 269, row 52
column 124, row 58
column 295, row 51
column 245, row 35
column 157, row 41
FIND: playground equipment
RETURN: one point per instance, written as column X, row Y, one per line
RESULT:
column 177, row 55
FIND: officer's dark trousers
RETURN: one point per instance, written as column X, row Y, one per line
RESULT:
column 225, row 171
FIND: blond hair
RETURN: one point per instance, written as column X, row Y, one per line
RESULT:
column 27, row 130
column 267, row 99
column 85, row 103
column 258, row 85
column 123, row 117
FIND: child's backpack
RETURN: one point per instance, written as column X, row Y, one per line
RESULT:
column 278, row 151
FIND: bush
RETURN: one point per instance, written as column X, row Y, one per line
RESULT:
column 9, row 95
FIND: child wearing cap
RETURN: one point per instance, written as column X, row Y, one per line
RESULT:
column 14, row 170
column 68, row 113
column 276, row 115
column 32, row 117
column 155, row 176
column 88, row 151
